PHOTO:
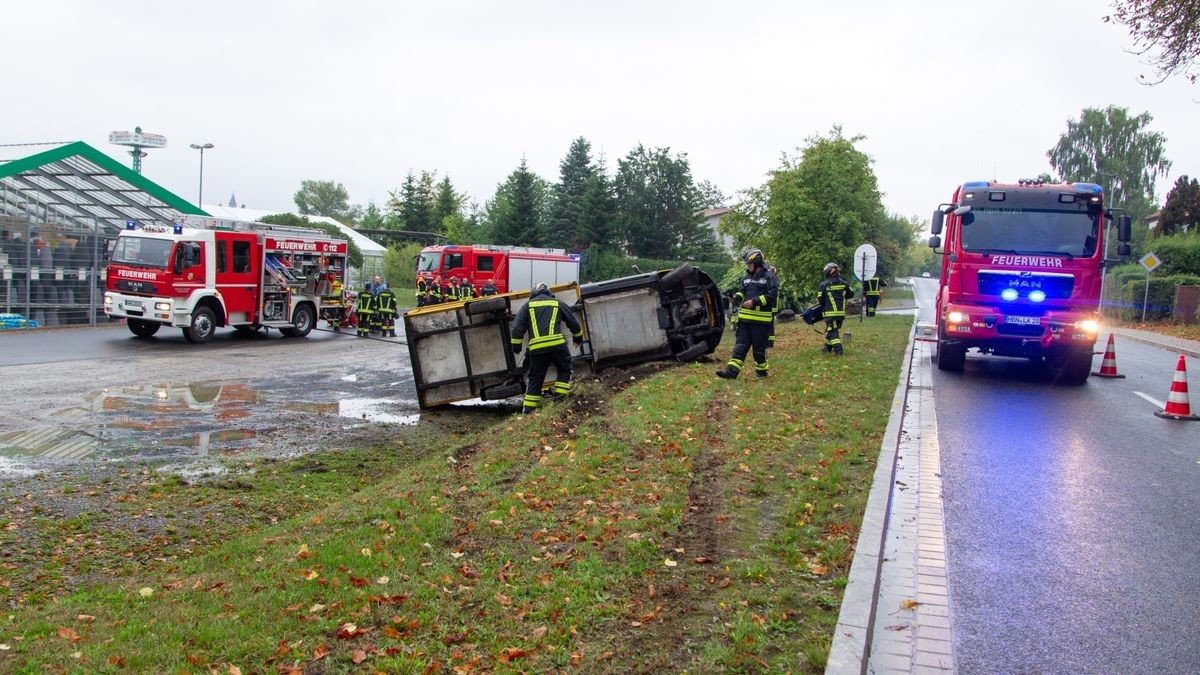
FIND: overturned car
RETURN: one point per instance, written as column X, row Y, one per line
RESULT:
column 460, row 351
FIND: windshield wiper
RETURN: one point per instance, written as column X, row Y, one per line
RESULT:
column 993, row 250
column 1068, row 256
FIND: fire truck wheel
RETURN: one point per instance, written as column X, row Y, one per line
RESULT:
column 143, row 329
column 1077, row 367
column 951, row 356
column 303, row 320
column 204, row 324
column 487, row 306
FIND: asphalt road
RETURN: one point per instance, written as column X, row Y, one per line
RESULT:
column 1072, row 516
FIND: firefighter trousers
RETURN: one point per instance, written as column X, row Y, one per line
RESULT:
column 872, row 304
column 756, row 336
column 833, row 335
column 364, row 322
column 539, row 362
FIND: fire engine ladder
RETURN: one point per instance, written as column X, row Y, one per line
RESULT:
column 283, row 272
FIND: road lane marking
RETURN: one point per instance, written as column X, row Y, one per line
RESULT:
column 1150, row 398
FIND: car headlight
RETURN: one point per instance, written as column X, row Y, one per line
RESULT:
column 958, row 317
column 108, row 300
column 1088, row 325
column 162, row 306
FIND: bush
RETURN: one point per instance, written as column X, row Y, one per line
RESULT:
column 1180, row 253
column 1161, row 302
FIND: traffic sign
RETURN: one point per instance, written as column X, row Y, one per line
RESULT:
column 865, row 260
column 1150, row 261
column 137, row 139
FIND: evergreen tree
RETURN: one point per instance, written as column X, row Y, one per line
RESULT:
column 372, row 218
column 518, row 212
column 657, row 203
column 446, row 203
column 599, row 211
column 1182, row 210
column 568, row 226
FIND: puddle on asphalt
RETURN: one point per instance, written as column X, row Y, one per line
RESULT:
column 195, row 425
column 377, row 410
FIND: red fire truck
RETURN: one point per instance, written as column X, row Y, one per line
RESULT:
column 1021, row 272
column 208, row 273
column 510, row 268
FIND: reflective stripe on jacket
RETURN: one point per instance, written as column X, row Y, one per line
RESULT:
column 871, row 286
column 540, row 318
column 833, row 294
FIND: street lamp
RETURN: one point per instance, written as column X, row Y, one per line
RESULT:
column 201, row 148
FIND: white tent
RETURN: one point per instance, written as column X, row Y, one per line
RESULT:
column 372, row 252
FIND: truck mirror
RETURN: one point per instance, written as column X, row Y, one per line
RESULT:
column 935, row 242
column 962, row 210
column 177, row 259
column 935, row 225
column 1124, row 250
column 193, row 254
column 1124, row 228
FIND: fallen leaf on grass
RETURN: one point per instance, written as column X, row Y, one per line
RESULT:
column 512, row 653
column 358, row 656
column 702, row 560
column 316, row 609
column 85, row 618
column 234, row 670
column 670, row 563
column 69, row 634
column 909, row 604
column 899, row 626
column 348, row 631
column 454, row 638
column 118, row 661
column 145, row 591
column 310, row 574
column 382, row 581
column 5, row 647
column 357, row 582
column 539, row 632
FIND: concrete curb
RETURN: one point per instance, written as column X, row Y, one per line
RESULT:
column 1172, row 346
column 856, row 620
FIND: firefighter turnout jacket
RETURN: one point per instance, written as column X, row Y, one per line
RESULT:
column 871, row 287
column 540, row 318
column 832, row 294
column 762, row 289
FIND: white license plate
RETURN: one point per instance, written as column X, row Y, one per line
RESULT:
column 134, row 303
column 1024, row 320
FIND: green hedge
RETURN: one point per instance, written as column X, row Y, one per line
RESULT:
column 1161, row 303
column 1180, row 253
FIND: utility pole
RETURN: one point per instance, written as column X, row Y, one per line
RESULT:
column 201, row 148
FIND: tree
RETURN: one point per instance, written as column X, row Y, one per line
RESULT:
column 1166, row 32
column 569, row 225
column 1116, row 151
column 815, row 208
column 399, row 271
column 325, row 198
column 892, row 237
column 600, row 210
column 518, row 212
column 1182, row 210
column 412, row 206
column 467, row 228
column 353, row 253
column 711, row 196
column 372, row 217
column 657, row 204
column 446, row 203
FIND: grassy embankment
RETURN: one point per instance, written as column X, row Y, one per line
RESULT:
column 661, row 520
column 1191, row 332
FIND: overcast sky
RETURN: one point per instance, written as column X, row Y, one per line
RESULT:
column 361, row 92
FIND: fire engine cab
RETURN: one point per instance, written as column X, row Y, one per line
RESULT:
column 509, row 268
column 207, row 273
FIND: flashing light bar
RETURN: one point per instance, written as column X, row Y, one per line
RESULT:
column 1089, row 187
column 130, row 224
column 178, row 229
column 976, row 185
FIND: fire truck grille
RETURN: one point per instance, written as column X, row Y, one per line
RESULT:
column 1055, row 286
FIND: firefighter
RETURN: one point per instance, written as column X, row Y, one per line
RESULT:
column 422, row 291
column 435, row 291
column 755, row 317
column 385, row 309
column 365, row 310
column 376, row 315
column 872, row 292
column 376, row 285
column 447, row 291
column 489, row 289
column 832, row 295
column 337, row 314
column 540, row 317
column 468, row 289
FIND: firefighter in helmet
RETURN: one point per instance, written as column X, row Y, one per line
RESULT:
column 540, row 318
column 385, row 309
column 832, row 294
column 365, row 311
column 756, row 316
column 872, row 291
column 446, row 290
column 422, row 291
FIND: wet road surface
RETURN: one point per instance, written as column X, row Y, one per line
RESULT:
column 1072, row 516
column 99, row 395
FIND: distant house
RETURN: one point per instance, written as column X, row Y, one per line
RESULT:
column 712, row 220
column 1152, row 219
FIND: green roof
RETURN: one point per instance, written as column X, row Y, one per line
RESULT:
column 76, row 182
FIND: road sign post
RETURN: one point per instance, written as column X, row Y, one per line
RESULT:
column 1150, row 261
column 866, row 259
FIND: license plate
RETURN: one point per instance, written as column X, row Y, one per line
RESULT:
column 134, row 303
column 1024, row 320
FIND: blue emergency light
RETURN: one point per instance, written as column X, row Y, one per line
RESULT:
column 130, row 224
column 178, row 229
column 1089, row 187
column 1008, row 294
column 976, row 185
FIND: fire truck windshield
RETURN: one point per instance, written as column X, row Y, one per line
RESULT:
column 143, row 251
column 1046, row 232
column 429, row 261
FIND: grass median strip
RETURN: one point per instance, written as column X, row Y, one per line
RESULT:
column 661, row 519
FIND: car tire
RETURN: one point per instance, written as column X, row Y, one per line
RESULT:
column 487, row 306
column 143, row 328
column 1076, row 367
column 692, row 353
column 676, row 277
column 951, row 356
column 303, row 320
column 204, row 324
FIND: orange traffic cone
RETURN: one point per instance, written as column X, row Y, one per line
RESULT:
column 1108, row 367
column 1178, row 407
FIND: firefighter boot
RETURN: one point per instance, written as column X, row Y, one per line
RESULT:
column 731, row 370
